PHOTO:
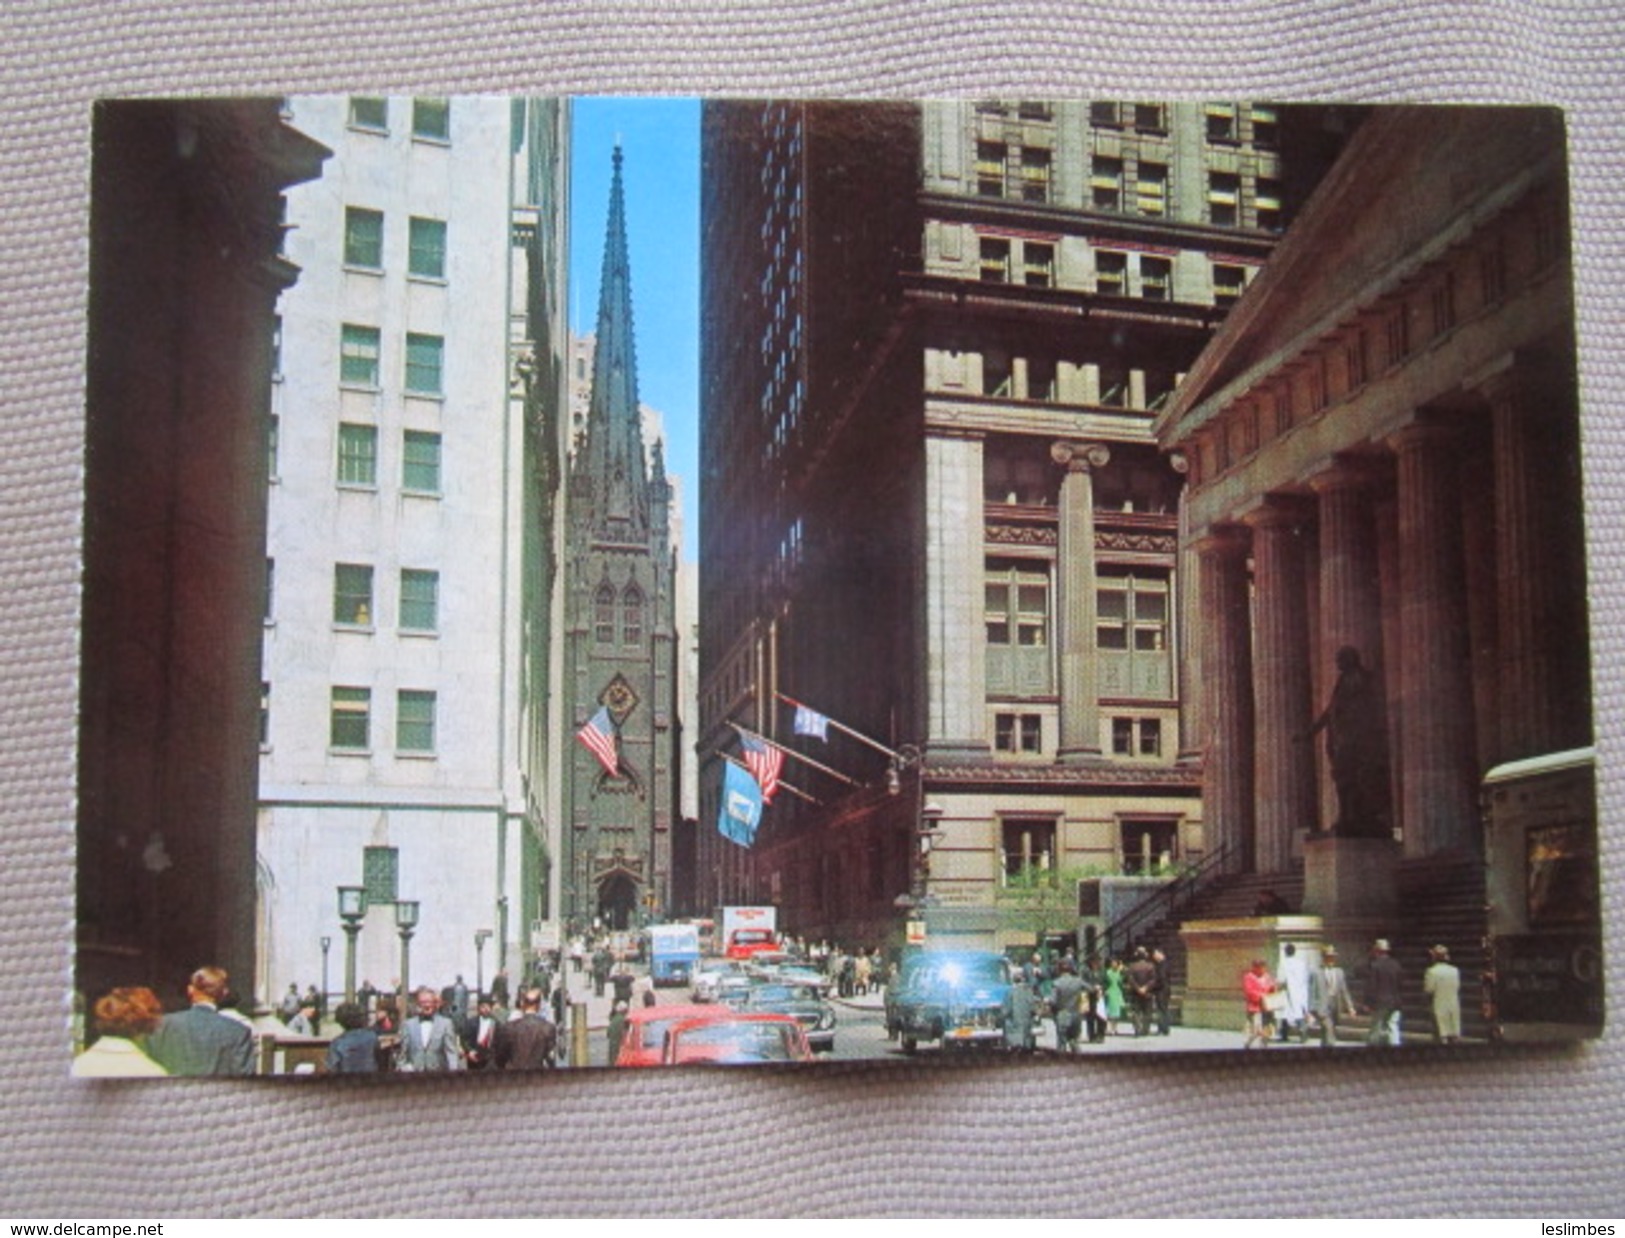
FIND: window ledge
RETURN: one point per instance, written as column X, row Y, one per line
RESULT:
column 364, row 388
column 361, row 629
column 422, row 494
column 358, row 487
column 348, row 752
column 421, row 633
column 434, row 281
column 374, row 130
column 403, row 754
column 428, row 397
column 428, row 139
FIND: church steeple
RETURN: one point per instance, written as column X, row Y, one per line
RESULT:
column 612, row 465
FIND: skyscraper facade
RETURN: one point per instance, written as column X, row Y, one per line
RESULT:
column 936, row 338
column 418, row 431
column 620, row 643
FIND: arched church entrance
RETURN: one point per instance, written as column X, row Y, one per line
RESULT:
column 617, row 900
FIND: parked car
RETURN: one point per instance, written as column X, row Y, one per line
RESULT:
column 646, row 1026
column 953, row 996
column 736, row 1039
column 804, row 1003
column 708, row 979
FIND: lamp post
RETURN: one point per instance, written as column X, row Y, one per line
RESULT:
column 406, row 919
column 481, row 936
column 352, row 907
column 327, row 943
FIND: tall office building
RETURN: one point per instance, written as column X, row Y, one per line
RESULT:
column 418, row 437
column 936, row 338
column 621, row 644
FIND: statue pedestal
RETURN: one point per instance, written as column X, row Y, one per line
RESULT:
column 1350, row 878
column 1219, row 952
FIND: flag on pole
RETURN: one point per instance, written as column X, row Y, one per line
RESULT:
column 811, row 722
column 765, row 762
column 741, row 805
column 599, row 737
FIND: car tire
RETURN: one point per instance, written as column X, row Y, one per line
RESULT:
column 910, row 1045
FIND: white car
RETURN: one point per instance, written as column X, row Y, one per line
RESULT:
column 710, row 976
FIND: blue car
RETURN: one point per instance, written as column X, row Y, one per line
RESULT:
column 956, row 997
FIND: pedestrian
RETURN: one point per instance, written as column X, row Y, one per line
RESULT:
column 1329, row 996
column 479, row 1035
column 500, row 995
column 1066, row 996
column 1141, row 978
column 201, row 1040
column 366, row 995
column 1094, row 1000
column 1256, row 987
column 1164, row 990
column 429, row 1042
column 1382, row 995
column 355, row 1050
column 1294, row 978
column 530, row 1041
column 290, row 1003
column 124, row 1019
column 1442, row 983
column 459, row 1002
column 304, row 1022
column 1018, row 1016
column 1113, row 985
column 617, row 1029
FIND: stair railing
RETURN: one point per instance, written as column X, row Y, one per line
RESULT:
column 1178, row 893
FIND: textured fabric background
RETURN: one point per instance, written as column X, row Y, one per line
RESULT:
column 1527, row 1132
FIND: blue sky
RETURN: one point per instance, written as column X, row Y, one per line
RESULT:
column 661, row 176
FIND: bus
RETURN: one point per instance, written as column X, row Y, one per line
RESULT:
column 1545, row 924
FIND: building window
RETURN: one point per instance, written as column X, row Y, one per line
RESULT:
column 1041, row 381
column 1223, row 188
column 369, row 112
column 1106, row 183
column 1131, row 633
column 1035, row 175
column 414, row 721
column 1492, row 272
column 420, row 462
column 1267, row 204
column 1114, row 385
column 424, row 354
column 1399, row 336
column 990, row 157
column 270, row 590
column 1266, row 126
column 1018, row 733
column 1034, row 109
column 632, row 616
column 1354, row 358
column 358, row 455
column 1229, row 282
column 431, row 118
column 276, row 346
column 1443, row 303
column 380, row 874
column 363, row 238
column 420, row 600
column 998, row 374
column 426, row 251
column 265, row 715
column 1111, row 272
column 358, row 355
column 1153, row 189
column 995, row 260
column 1017, row 619
column 273, row 432
column 1221, row 122
column 1029, row 849
column 1150, row 118
column 1317, row 384
column 1038, row 264
column 603, row 615
column 1104, row 114
column 352, row 594
column 1156, row 278
column 1137, row 737
column 349, row 721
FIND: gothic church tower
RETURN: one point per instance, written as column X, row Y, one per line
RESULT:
column 621, row 652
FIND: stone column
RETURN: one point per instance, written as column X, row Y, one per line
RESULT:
column 1285, row 777
column 1350, row 582
column 1227, row 666
column 1438, row 802
column 1188, row 617
column 956, row 635
column 1528, row 608
column 1075, row 605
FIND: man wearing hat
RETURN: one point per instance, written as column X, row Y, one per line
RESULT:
column 1329, row 996
column 1382, row 996
column 1442, row 983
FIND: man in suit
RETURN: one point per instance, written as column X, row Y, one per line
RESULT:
column 429, row 1040
column 200, row 1040
column 479, row 1035
column 529, row 1042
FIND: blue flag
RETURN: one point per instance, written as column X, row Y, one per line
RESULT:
column 811, row 722
column 741, row 806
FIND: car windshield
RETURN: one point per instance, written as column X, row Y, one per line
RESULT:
column 732, row 1042
column 958, row 971
column 780, row 993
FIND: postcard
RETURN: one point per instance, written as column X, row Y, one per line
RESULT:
column 602, row 582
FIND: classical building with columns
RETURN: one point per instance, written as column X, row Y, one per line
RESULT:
column 1382, row 446
column 937, row 337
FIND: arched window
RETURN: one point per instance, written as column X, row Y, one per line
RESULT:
column 632, row 616
column 603, row 615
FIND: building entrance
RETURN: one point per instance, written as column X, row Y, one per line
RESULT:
column 617, row 899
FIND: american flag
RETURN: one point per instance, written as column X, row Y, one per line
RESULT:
column 599, row 736
column 764, row 762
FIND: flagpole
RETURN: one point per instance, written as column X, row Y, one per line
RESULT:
column 791, row 752
column 843, row 728
column 783, row 785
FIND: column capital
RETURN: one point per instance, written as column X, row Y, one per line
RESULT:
column 1080, row 457
column 1223, row 540
column 1277, row 512
column 1345, row 473
column 1422, row 433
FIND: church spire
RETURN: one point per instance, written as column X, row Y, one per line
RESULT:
column 613, row 461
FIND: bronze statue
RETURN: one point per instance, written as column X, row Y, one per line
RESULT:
column 1356, row 742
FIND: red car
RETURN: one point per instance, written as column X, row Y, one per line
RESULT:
column 747, row 943
column 646, row 1026
column 735, row 1039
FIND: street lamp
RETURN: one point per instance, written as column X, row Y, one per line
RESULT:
column 481, row 936
column 352, row 907
column 326, row 943
column 926, row 833
column 406, row 919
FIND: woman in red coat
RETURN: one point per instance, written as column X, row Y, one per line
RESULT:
column 1256, row 984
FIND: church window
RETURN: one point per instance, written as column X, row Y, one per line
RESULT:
column 632, row 616
column 603, row 615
